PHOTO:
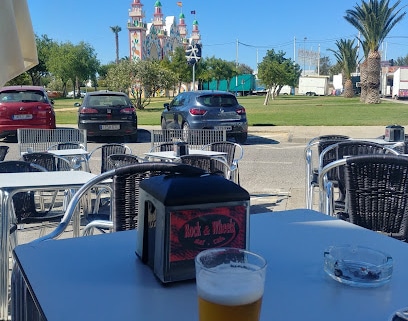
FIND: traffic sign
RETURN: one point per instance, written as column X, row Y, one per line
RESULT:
column 193, row 54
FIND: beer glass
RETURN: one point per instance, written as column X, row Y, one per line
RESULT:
column 230, row 284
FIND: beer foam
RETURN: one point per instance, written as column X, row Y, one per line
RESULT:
column 230, row 288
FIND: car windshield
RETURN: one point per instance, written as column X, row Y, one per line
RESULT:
column 108, row 101
column 217, row 100
column 22, row 96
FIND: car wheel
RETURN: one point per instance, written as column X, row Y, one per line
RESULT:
column 241, row 138
column 186, row 132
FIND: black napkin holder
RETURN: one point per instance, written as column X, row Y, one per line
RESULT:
column 180, row 148
column 394, row 133
column 179, row 216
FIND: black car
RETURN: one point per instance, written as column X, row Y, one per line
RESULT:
column 206, row 109
column 108, row 113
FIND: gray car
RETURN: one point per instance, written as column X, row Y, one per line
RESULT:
column 206, row 109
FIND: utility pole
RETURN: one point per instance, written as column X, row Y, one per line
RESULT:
column 236, row 66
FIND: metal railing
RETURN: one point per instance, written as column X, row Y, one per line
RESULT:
column 196, row 138
column 39, row 140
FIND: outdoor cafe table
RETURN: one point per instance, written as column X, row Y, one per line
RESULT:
column 80, row 153
column 12, row 183
column 171, row 156
column 101, row 278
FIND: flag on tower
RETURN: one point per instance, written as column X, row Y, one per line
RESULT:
column 180, row 4
column 192, row 11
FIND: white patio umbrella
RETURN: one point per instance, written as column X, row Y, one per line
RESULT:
column 18, row 51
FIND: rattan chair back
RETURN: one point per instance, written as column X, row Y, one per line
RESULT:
column 210, row 164
column 109, row 149
column 120, row 160
column 377, row 193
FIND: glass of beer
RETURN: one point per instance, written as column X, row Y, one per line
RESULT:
column 230, row 284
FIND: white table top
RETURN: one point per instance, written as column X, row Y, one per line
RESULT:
column 380, row 141
column 39, row 180
column 101, row 278
column 172, row 156
column 69, row 152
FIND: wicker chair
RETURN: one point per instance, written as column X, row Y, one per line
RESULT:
column 51, row 163
column 120, row 160
column 312, row 153
column 3, row 152
column 105, row 151
column 213, row 165
column 25, row 209
column 377, row 193
column 125, row 195
column 163, row 147
column 234, row 153
column 335, row 177
column 48, row 161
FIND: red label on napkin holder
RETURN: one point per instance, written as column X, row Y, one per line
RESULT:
column 194, row 230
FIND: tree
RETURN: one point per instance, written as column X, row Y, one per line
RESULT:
column 324, row 66
column 401, row 61
column 140, row 80
column 22, row 79
column 77, row 63
column 374, row 19
column 122, row 76
column 244, row 69
column 177, row 63
column 40, row 71
column 116, row 30
column 276, row 71
column 219, row 69
column 61, row 63
column 86, row 65
column 346, row 55
column 363, row 72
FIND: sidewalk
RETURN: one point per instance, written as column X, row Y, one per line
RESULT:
column 302, row 134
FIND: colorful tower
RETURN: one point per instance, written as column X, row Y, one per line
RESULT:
column 157, row 39
column 137, row 31
column 183, row 30
column 195, row 33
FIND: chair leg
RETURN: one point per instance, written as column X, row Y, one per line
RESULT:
column 99, row 224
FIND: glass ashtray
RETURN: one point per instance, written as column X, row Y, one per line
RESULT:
column 357, row 265
column 399, row 315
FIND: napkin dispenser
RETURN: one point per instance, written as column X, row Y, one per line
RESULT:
column 394, row 133
column 180, row 148
column 179, row 216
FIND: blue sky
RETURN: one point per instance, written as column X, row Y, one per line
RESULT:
column 257, row 25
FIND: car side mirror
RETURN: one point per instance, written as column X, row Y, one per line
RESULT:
column 77, row 104
column 52, row 101
column 166, row 106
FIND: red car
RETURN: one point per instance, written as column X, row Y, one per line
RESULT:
column 25, row 107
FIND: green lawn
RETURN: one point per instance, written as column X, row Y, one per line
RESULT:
column 284, row 111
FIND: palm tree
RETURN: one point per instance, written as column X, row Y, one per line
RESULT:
column 346, row 56
column 363, row 72
column 374, row 19
column 116, row 30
